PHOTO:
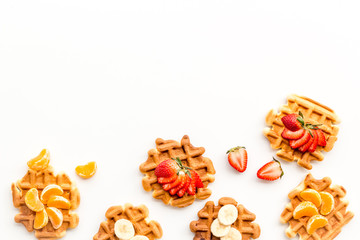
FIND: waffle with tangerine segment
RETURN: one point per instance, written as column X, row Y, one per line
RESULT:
column 138, row 216
column 336, row 219
column 39, row 180
column 190, row 156
column 315, row 113
column 244, row 222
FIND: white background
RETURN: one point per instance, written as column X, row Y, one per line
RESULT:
column 101, row 80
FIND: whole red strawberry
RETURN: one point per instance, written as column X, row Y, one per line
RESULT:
column 238, row 158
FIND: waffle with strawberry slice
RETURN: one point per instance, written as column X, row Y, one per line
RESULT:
column 301, row 130
column 177, row 173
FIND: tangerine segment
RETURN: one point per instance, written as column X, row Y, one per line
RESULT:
column 55, row 216
column 50, row 190
column 316, row 222
column 305, row 209
column 312, row 196
column 86, row 171
column 328, row 203
column 32, row 200
column 59, row 202
column 40, row 162
column 41, row 219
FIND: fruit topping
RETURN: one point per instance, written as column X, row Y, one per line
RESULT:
column 124, row 229
column 177, row 178
column 218, row 229
column 305, row 209
column 301, row 135
column 139, row 237
column 316, row 222
column 312, row 196
column 59, row 202
column 86, row 171
column 228, row 214
column 238, row 158
column 55, row 216
column 40, row 162
column 233, row 234
column 32, row 200
column 328, row 203
column 41, row 219
column 50, row 190
column 270, row 171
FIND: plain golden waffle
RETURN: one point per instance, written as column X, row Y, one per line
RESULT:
column 190, row 156
column 39, row 180
column 137, row 215
column 208, row 214
column 314, row 113
column 336, row 219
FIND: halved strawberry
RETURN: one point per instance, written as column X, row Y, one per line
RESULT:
column 305, row 147
column 166, row 168
column 293, row 121
column 301, row 141
column 315, row 143
column 270, row 171
column 288, row 134
column 238, row 158
column 322, row 139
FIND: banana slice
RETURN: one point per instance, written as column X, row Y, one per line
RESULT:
column 228, row 214
column 124, row 229
column 140, row 237
column 218, row 229
column 233, row 234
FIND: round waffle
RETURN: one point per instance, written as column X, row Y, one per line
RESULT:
column 39, row 180
column 315, row 113
column 336, row 219
column 244, row 222
column 136, row 215
column 190, row 156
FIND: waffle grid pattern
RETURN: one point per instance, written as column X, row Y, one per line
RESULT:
column 336, row 219
column 209, row 213
column 314, row 113
column 137, row 215
column 190, row 156
column 39, row 180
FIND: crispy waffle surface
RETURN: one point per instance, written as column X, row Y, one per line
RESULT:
column 336, row 219
column 244, row 223
column 314, row 113
column 190, row 156
column 39, row 180
column 138, row 216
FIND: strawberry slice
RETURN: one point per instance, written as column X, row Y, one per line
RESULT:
column 270, row 171
column 163, row 180
column 288, row 134
column 322, row 139
column 238, row 158
column 301, row 141
column 293, row 121
column 315, row 143
column 192, row 188
column 182, row 177
column 305, row 147
column 172, row 185
column 196, row 177
column 182, row 191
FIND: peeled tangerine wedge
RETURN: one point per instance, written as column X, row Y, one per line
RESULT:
column 32, row 200
column 40, row 162
column 50, row 190
column 228, row 214
column 218, row 229
column 305, row 209
column 316, row 222
column 328, row 203
column 86, row 171
column 312, row 196
column 233, row 234
column 124, row 229
column 59, row 202
column 41, row 219
column 140, row 237
column 55, row 216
